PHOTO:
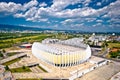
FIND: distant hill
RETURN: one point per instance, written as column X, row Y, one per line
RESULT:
column 5, row 27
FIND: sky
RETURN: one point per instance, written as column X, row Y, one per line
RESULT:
column 82, row 15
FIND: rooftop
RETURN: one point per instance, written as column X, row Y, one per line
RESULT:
column 57, row 46
column 26, row 45
column 96, row 59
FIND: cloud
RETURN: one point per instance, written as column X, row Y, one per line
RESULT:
column 99, row 21
column 10, row 7
column 63, row 15
column 113, row 13
column 105, row 16
column 30, row 4
column 90, row 19
column 98, row 4
column 77, row 20
column 59, row 5
column 42, row 4
column 114, row 9
column 115, row 21
column 29, row 13
column 80, row 12
column 13, row 8
column 86, row 2
column 67, row 21
column 18, row 15
column 55, row 10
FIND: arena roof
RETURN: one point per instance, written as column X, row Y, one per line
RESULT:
column 57, row 46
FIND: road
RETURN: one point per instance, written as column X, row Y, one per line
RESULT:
column 103, row 55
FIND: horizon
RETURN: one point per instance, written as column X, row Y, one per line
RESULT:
column 79, row 15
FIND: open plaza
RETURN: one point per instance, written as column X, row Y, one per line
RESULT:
column 85, row 71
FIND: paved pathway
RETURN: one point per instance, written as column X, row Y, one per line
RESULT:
column 102, row 73
column 11, row 58
column 36, row 69
column 116, row 76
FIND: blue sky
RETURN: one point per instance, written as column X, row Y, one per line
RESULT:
column 84, row 15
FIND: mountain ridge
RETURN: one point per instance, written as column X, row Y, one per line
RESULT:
column 5, row 27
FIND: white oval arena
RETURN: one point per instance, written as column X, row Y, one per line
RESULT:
column 61, row 53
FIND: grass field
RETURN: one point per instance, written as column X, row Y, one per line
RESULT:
column 11, row 54
column 6, row 43
column 114, row 45
column 12, row 61
column 9, row 40
column 28, row 79
column 114, row 52
column 20, row 69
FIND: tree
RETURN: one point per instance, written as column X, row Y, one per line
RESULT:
column 23, row 67
column 3, row 51
column 113, row 54
column 1, row 55
column 7, row 68
column 105, row 44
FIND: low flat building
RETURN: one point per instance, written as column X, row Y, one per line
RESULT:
column 25, row 46
column 98, row 61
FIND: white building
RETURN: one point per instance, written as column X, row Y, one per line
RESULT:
column 62, row 53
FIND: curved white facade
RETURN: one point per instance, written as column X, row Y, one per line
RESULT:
column 59, row 54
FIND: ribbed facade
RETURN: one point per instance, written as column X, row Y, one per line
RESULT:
column 61, row 55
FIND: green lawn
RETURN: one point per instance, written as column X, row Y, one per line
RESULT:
column 6, row 43
column 12, row 61
column 42, row 68
column 114, row 45
column 10, row 40
column 28, row 79
column 114, row 54
column 20, row 69
column 11, row 54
